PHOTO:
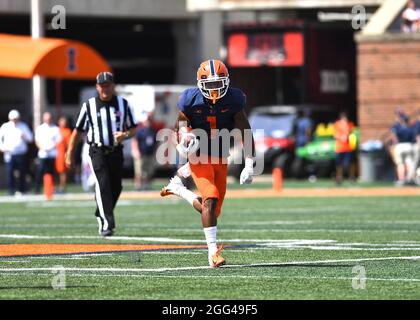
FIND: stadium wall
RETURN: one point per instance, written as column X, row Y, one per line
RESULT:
column 388, row 76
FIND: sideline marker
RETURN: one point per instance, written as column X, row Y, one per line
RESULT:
column 277, row 179
column 48, row 186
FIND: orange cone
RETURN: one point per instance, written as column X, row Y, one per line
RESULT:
column 277, row 179
column 48, row 186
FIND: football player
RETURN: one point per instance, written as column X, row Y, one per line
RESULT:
column 212, row 106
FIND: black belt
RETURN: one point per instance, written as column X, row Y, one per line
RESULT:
column 106, row 149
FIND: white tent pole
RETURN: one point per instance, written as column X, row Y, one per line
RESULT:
column 38, row 83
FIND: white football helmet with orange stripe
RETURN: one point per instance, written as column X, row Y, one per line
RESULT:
column 213, row 79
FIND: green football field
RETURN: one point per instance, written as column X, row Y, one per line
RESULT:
column 275, row 248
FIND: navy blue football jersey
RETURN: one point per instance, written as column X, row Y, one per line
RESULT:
column 202, row 114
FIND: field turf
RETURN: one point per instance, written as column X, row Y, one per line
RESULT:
column 276, row 248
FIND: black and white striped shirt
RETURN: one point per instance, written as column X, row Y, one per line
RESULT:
column 102, row 118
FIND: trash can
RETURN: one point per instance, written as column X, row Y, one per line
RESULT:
column 372, row 164
column 375, row 163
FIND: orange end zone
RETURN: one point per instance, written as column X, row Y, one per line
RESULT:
column 13, row 250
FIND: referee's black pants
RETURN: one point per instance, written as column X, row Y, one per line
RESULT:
column 107, row 167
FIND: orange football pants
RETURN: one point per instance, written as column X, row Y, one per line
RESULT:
column 210, row 180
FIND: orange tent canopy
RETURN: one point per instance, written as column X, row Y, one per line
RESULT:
column 24, row 57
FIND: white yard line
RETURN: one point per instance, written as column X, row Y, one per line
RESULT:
column 88, row 204
column 281, row 222
column 176, row 252
column 164, row 239
column 331, row 222
column 99, row 254
column 242, row 277
column 367, row 279
column 101, row 275
column 351, row 248
column 273, row 264
column 288, row 230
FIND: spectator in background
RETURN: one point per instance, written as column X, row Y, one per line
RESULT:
column 78, row 161
column 144, row 145
column 343, row 149
column 14, row 138
column 135, row 153
column 87, row 178
column 47, row 137
column 60, row 160
column 411, row 18
column 304, row 128
column 416, row 150
column 403, row 140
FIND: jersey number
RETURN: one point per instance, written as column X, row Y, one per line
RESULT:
column 212, row 121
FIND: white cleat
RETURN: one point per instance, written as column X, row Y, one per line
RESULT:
column 174, row 186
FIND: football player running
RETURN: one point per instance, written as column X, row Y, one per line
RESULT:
column 211, row 107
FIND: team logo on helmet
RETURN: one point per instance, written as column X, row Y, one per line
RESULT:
column 213, row 79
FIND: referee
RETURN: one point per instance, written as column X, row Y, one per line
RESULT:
column 108, row 120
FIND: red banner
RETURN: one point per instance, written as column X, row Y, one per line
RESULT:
column 265, row 49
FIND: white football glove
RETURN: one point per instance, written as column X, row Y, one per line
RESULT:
column 188, row 144
column 247, row 172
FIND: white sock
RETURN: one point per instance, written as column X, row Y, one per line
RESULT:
column 177, row 180
column 210, row 234
column 185, row 170
column 187, row 195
